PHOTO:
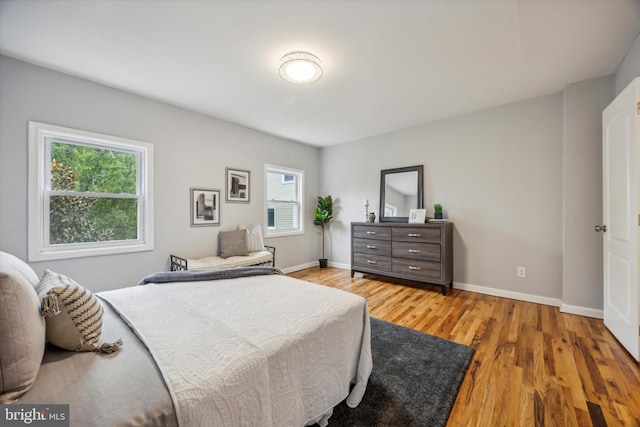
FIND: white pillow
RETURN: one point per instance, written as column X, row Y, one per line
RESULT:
column 22, row 328
column 254, row 238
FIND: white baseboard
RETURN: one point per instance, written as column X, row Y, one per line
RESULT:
column 555, row 302
column 582, row 311
column 298, row 267
column 340, row 265
column 314, row 264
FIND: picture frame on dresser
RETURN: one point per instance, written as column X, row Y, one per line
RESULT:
column 417, row 216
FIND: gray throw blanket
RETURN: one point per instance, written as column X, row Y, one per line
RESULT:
column 192, row 276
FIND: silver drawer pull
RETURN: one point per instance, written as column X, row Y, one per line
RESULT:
column 414, row 234
column 371, row 262
column 414, row 268
column 414, row 251
column 372, row 247
column 371, row 232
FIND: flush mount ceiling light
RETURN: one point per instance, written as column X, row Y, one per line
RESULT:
column 300, row 68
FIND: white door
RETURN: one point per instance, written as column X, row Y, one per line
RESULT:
column 620, row 215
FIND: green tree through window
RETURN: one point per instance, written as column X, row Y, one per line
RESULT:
column 101, row 210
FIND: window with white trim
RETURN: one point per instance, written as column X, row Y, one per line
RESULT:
column 284, row 212
column 89, row 194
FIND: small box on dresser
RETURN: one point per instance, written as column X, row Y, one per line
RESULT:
column 418, row 252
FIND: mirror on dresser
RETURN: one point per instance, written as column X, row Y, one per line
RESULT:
column 400, row 191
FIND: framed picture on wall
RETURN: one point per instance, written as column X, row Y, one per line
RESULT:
column 417, row 216
column 237, row 185
column 205, row 207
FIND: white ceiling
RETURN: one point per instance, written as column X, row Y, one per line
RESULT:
column 388, row 65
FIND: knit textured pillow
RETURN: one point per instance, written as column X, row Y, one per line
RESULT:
column 72, row 313
column 233, row 243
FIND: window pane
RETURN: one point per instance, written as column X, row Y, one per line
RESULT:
column 286, row 215
column 271, row 217
column 89, row 219
column 278, row 189
column 90, row 169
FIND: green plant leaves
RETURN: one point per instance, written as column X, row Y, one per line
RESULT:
column 324, row 211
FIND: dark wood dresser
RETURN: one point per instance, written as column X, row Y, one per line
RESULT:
column 419, row 252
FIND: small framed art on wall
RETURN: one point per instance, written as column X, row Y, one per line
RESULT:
column 238, row 185
column 205, row 207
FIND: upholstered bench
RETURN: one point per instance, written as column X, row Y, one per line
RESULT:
column 266, row 257
column 238, row 248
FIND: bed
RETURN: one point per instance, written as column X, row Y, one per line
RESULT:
column 238, row 347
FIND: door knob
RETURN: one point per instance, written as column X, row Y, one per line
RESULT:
column 602, row 228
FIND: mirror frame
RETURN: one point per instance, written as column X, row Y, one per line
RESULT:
column 383, row 177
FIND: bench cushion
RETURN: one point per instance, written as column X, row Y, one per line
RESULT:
column 214, row 262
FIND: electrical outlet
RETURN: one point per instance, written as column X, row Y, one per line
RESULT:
column 521, row 272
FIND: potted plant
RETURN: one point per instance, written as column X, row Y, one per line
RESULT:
column 323, row 214
column 437, row 208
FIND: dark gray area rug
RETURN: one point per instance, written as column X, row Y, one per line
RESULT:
column 414, row 382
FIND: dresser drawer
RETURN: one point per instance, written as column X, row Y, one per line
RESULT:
column 414, row 250
column 371, row 232
column 372, row 247
column 416, row 234
column 372, row 262
column 421, row 270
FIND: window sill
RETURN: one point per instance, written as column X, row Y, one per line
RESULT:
column 61, row 253
column 283, row 233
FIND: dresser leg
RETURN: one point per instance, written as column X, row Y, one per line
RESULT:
column 443, row 290
column 352, row 272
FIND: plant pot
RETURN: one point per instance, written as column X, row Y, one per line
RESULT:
column 323, row 262
column 438, row 215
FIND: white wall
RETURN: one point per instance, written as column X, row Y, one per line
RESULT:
column 505, row 176
column 582, row 189
column 190, row 150
column 630, row 67
column 498, row 175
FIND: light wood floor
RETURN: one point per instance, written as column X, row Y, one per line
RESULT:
column 533, row 365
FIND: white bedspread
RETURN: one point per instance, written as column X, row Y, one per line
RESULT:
column 255, row 351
